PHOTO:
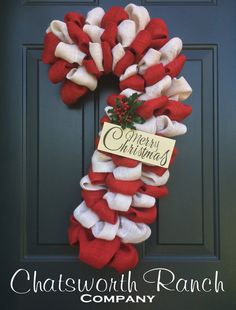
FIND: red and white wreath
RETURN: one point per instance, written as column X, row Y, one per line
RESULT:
column 119, row 194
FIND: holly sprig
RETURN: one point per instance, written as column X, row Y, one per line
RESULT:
column 124, row 112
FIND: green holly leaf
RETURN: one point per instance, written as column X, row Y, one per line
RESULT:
column 134, row 107
column 131, row 99
column 118, row 105
column 131, row 126
column 110, row 111
column 139, row 103
column 115, row 118
column 138, row 120
column 134, row 96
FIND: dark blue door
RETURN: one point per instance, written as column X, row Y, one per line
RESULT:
column 46, row 148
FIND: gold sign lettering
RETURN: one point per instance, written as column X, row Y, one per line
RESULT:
column 142, row 146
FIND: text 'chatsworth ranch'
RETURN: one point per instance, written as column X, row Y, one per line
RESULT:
column 122, row 289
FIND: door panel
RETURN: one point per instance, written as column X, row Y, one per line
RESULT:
column 48, row 147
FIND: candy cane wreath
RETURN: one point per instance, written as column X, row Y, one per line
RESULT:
column 119, row 193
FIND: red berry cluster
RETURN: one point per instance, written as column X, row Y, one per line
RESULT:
column 124, row 112
column 121, row 112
